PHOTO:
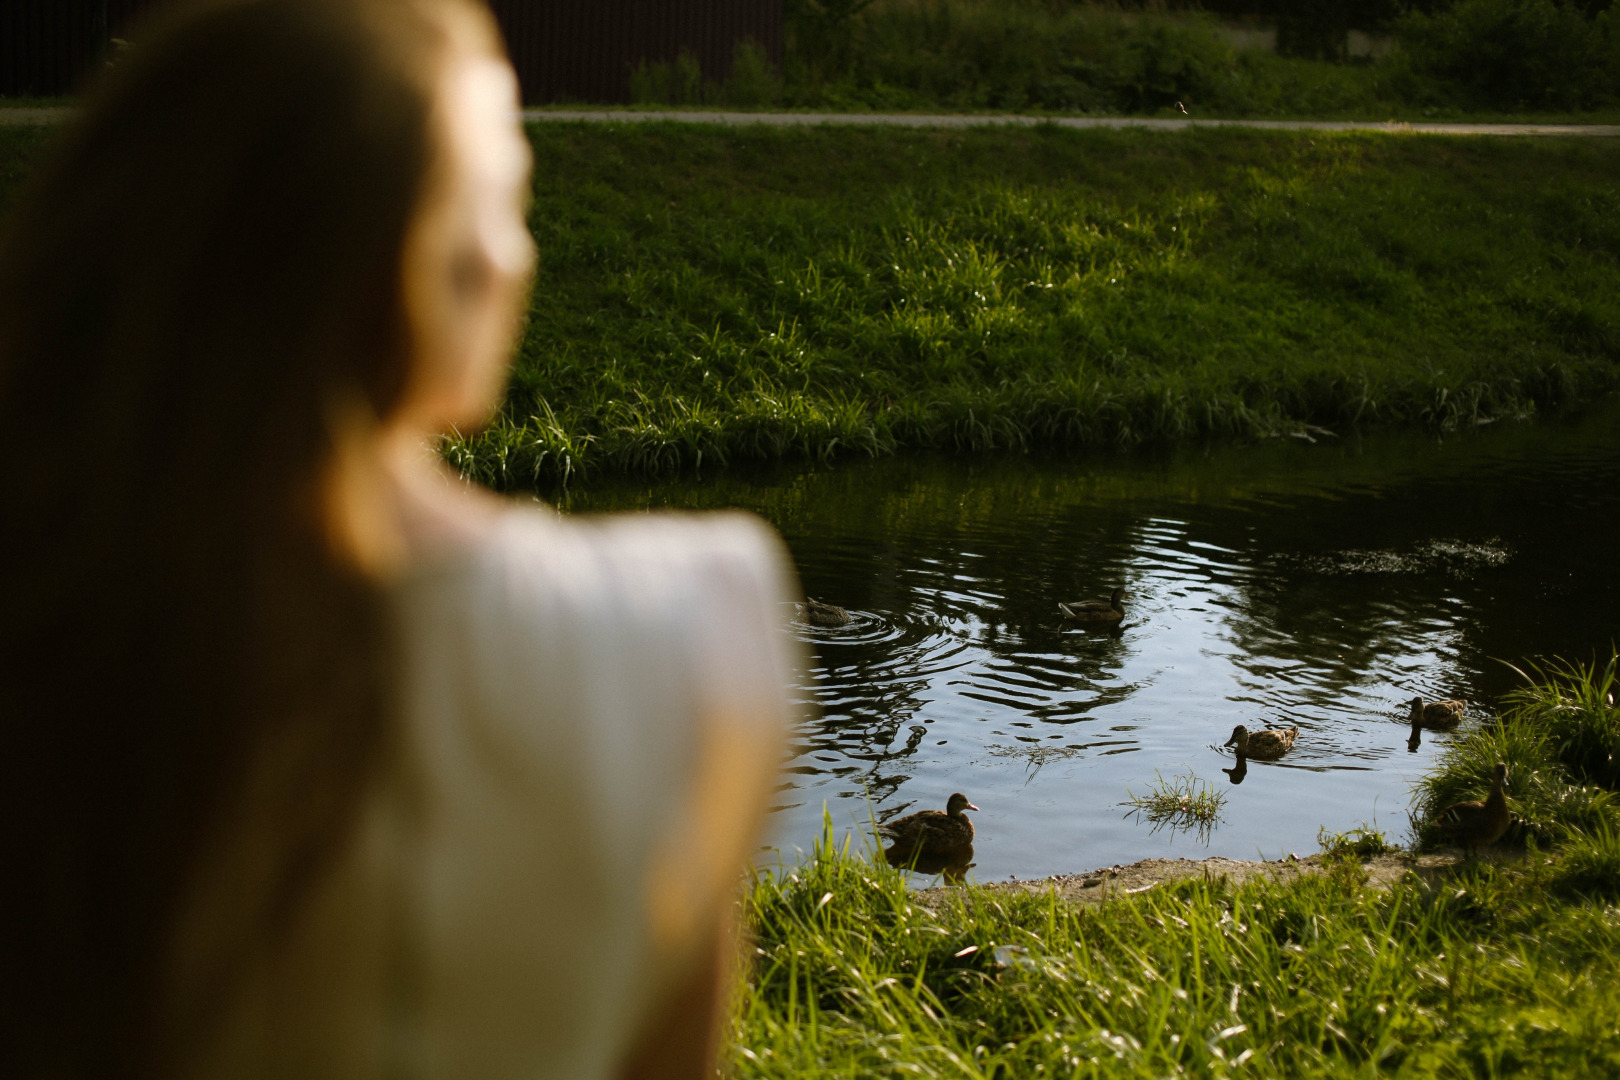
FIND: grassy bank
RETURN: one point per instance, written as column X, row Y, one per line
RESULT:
column 1490, row 972
column 709, row 295
column 1500, row 968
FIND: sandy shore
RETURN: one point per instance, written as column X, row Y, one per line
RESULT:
column 1382, row 872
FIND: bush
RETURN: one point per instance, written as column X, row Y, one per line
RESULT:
column 1559, row 736
column 1514, row 54
column 1017, row 54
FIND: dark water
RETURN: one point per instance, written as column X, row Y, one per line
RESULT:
column 1316, row 585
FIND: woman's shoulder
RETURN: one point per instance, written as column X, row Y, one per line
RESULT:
column 691, row 604
column 623, row 566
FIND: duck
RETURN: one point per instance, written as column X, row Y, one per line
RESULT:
column 818, row 613
column 931, row 832
column 1436, row 715
column 1473, row 824
column 1265, row 745
column 1094, row 610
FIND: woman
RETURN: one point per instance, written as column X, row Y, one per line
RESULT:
column 316, row 762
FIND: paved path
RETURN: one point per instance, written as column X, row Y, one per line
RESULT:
column 918, row 120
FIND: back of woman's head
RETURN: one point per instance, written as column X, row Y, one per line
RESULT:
column 200, row 298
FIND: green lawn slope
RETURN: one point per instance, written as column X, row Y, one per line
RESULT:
column 708, row 294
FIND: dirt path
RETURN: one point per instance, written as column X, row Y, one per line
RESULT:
column 1382, row 871
column 919, row 120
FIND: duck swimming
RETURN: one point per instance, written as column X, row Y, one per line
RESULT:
column 1436, row 715
column 1094, row 610
column 1266, row 745
column 817, row 613
column 931, row 832
column 1473, row 824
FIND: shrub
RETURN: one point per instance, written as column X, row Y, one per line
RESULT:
column 1010, row 55
column 1511, row 54
column 1559, row 736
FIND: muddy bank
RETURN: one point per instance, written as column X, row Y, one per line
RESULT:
column 1382, row 872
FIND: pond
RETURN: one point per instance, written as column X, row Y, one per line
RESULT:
column 1280, row 584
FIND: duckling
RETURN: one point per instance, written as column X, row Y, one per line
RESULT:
column 1478, row 822
column 1094, row 610
column 1267, row 745
column 1436, row 715
column 817, row 613
column 931, row 832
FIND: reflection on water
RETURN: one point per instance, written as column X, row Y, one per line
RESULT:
column 1274, row 585
column 952, row 864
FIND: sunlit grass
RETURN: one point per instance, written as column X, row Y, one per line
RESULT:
column 852, row 975
column 1362, row 842
column 1492, row 968
column 1559, row 735
column 710, row 296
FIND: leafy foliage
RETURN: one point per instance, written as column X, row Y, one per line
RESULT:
column 1516, row 54
column 1559, row 736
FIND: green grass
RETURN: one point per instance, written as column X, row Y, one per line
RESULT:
column 710, row 295
column 1496, row 968
column 1488, row 973
column 1560, row 736
column 1181, row 804
column 1362, row 842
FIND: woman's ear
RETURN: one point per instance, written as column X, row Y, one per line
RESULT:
column 468, row 255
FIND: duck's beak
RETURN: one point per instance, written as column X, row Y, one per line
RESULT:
column 970, row 806
column 1230, row 741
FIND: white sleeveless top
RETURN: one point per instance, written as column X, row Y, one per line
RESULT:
column 579, row 699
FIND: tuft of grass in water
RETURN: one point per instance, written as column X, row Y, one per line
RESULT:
column 1181, row 804
column 1559, row 735
column 1363, row 842
column 850, row 974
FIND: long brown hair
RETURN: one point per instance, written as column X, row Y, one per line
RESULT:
column 201, row 278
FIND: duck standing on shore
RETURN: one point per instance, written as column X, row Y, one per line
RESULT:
column 1265, row 745
column 1094, row 611
column 931, row 832
column 819, row 613
column 1473, row 824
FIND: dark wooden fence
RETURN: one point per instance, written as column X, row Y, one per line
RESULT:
column 564, row 50
column 47, row 46
column 585, row 50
